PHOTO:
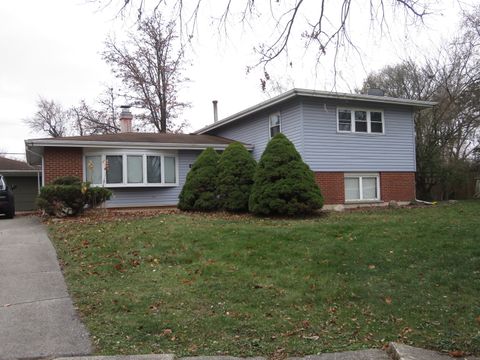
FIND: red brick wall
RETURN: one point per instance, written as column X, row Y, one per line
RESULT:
column 59, row 161
column 399, row 186
column 332, row 186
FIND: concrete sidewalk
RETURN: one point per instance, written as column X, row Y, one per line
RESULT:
column 395, row 351
column 37, row 318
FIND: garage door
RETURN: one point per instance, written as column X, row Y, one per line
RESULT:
column 25, row 192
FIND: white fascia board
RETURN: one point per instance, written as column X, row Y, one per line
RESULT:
column 318, row 94
column 125, row 145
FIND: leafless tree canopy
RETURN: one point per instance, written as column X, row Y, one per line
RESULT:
column 87, row 120
column 318, row 24
column 50, row 118
column 448, row 135
column 54, row 120
column 150, row 67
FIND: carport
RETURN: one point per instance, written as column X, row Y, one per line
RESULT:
column 25, row 179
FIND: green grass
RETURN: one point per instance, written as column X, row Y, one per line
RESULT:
column 198, row 284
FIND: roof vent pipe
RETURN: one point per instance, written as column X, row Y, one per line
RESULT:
column 215, row 110
column 125, row 119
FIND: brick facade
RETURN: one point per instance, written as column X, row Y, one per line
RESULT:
column 59, row 161
column 332, row 186
column 399, row 186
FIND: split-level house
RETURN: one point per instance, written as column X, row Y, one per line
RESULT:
column 360, row 147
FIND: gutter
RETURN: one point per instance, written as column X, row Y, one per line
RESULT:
column 126, row 145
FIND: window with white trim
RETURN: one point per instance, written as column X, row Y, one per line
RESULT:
column 360, row 121
column 115, row 169
column 275, row 123
column 362, row 187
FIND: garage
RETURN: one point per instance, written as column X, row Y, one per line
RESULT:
column 25, row 181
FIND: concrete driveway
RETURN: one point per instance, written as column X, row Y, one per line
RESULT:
column 37, row 318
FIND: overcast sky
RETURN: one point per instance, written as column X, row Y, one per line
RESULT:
column 51, row 48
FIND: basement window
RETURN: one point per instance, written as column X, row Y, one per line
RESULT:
column 362, row 187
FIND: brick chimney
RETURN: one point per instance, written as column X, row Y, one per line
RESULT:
column 125, row 119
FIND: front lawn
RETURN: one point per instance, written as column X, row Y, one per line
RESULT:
column 239, row 285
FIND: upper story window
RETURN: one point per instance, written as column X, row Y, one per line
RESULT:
column 131, row 169
column 275, row 124
column 360, row 121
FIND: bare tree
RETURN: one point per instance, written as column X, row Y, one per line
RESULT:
column 318, row 24
column 102, row 119
column 447, row 136
column 150, row 68
column 49, row 118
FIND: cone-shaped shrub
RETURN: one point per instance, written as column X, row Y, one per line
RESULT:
column 199, row 191
column 236, row 168
column 283, row 183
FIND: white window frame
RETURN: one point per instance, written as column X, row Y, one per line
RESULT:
column 352, row 119
column 124, row 153
column 360, row 177
column 270, row 123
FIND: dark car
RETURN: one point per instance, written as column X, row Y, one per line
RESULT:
column 7, row 201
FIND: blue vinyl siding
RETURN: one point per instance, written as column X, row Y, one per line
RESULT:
column 311, row 124
column 328, row 150
column 159, row 196
column 255, row 129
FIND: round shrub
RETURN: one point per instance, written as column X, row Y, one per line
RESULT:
column 236, row 168
column 69, row 195
column 199, row 191
column 283, row 183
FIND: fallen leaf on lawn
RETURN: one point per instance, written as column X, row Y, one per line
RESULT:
column 388, row 300
column 134, row 262
column 457, row 353
column 167, row 332
column 371, row 266
column 478, row 319
column 313, row 337
column 405, row 331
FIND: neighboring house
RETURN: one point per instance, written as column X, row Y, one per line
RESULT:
column 361, row 148
column 24, row 179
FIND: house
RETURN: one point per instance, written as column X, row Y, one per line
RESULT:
column 141, row 169
column 25, row 181
column 361, row 148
